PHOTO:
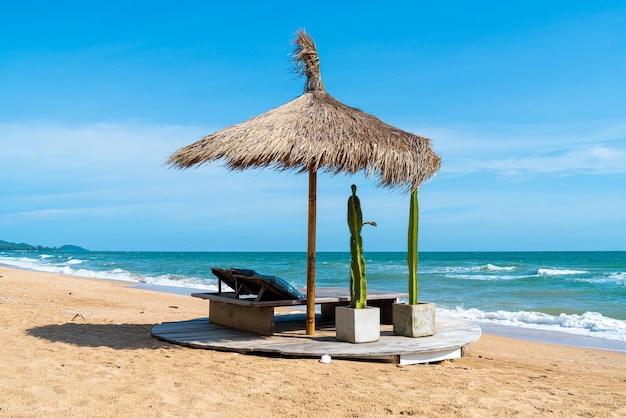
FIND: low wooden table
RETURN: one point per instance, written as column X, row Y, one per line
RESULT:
column 258, row 316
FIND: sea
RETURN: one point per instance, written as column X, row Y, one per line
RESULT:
column 571, row 298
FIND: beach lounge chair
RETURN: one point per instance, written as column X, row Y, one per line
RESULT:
column 249, row 282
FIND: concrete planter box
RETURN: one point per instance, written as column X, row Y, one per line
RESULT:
column 414, row 320
column 357, row 325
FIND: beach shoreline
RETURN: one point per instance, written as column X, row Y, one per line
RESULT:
column 509, row 331
column 575, row 293
column 80, row 346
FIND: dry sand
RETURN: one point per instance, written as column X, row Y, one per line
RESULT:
column 80, row 347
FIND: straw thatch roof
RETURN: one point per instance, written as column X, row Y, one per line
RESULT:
column 317, row 132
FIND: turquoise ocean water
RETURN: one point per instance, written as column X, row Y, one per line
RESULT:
column 581, row 294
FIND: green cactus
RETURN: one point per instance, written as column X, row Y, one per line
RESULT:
column 413, row 257
column 358, row 285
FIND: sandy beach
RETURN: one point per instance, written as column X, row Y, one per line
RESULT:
column 82, row 347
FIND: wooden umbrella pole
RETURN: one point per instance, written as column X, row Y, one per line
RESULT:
column 310, row 271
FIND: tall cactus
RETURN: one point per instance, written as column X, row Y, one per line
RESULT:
column 358, row 286
column 413, row 257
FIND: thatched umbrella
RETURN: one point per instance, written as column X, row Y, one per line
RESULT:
column 316, row 132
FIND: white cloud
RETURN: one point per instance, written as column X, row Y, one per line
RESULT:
column 586, row 160
column 97, row 146
column 516, row 150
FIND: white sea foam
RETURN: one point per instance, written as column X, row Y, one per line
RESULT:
column 591, row 324
column 492, row 267
column 618, row 279
column 178, row 281
column 559, row 272
column 472, row 269
column 487, row 272
column 115, row 274
column 23, row 263
column 73, row 261
column 485, row 277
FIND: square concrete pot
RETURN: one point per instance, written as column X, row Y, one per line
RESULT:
column 414, row 320
column 357, row 325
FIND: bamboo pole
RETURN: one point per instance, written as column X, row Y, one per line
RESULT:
column 413, row 256
column 310, row 270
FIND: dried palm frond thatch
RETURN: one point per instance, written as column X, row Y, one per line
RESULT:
column 317, row 132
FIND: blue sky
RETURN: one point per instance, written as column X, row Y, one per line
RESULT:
column 524, row 101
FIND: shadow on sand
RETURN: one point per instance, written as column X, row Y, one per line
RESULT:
column 116, row 336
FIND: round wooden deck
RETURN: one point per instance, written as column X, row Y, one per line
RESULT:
column 290, row 340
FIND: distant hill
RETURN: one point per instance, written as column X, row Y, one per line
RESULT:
column 11, row 246
column 73, row 249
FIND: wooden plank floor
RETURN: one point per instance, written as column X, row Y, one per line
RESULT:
column 290, row 340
